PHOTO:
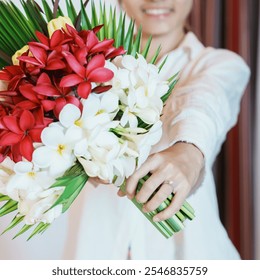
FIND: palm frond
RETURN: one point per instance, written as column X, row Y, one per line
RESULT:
column 47, row 10
column 8, row 207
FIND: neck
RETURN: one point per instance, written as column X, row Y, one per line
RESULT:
column 168, row 42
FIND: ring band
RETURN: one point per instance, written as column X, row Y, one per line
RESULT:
column 171, row 184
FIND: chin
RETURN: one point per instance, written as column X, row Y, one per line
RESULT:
column 156, row 31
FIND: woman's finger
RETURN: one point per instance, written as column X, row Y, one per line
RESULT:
column 95, row 181
column 121, row 193
column 151, row 184
column 164, row 191
column 175, row 204
column 132, row 181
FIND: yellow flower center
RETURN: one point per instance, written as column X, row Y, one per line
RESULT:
column 100, row 112
column 78, row 123
column 31, row 174
column 60, row 149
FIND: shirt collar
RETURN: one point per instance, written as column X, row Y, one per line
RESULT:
column 190, row 44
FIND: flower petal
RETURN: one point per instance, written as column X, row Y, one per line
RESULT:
column 81, row 149
column 73, row 135
column 102, row 46
column 39, row 53
column 55, row 64
column 74, row 64
column 98, row 61
column 69, row 114
column 92, row 40
column 42, row 38
column 42, row 157
column 48, row 105
column 100, row 75
column 23, row 167
column 129, row 62
column 132, row 119
column 70, row 80
column 26, row 148
column 10, row 138
column 12, row 124
column 27, row 120
column 91, row 168
column 149, row 115
column 52, row 137
column 46, row 90
column 109, row 102
column 35, row 134
column 90, row 106
column 84, row 89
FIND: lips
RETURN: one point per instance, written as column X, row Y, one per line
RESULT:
column 157, row 11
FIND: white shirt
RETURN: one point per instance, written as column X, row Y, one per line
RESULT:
column 100, row 225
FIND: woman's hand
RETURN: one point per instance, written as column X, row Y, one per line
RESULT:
column 176, row 169
column 95, row 181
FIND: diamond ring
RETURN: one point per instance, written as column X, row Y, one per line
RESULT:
column 169, row 182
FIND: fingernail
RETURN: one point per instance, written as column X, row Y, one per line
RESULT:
column 145, row 210
column 120, row 193
column 156, row 219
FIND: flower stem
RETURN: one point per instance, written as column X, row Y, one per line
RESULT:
column 170, row 226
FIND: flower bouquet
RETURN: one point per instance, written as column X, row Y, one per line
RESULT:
column 78, row 99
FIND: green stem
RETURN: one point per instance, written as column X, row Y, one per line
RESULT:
column 171, row 225
column 161, row 226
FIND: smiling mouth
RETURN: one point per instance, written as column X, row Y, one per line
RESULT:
column 157, row 11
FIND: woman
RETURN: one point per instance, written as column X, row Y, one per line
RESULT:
column 196, row 118
column 204, row 106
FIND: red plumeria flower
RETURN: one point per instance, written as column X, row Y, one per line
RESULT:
column 114, row 52
column 58, row 38
column 46, row 54
column 14, row 76
column 89, row 40
column 3, row 111
column 83, row 76
column 20, row 132
column 42, row 59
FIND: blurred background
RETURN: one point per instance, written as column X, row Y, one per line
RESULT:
column 234, row 25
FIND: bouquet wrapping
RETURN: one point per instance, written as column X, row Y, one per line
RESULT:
column 79, row 100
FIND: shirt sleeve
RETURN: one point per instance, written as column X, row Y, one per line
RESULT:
column 205, row 104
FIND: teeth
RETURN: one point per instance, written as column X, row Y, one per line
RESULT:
column 157, row 12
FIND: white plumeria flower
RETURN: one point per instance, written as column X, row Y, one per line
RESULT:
column 97, row 110
column 35, row 211
column 57, row 152
column 123, row 168
column 6, row 170
column 121, row 79
column 97, row 154
column 129, row 118
column 98, row 169
column 140, row 69
column 151, row 138
column 27, row 182
column 143, row 142
column 140, row 105
column 102, row 155
column 142, row 96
